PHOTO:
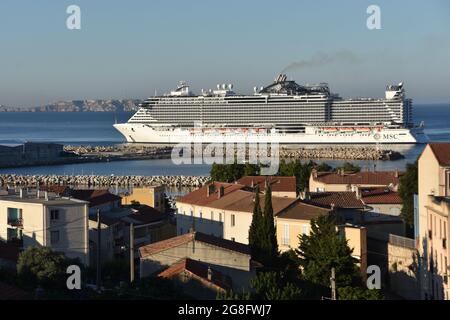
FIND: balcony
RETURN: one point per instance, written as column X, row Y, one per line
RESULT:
column 16, row 222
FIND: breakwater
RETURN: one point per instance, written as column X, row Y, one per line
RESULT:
column 13, row 180
column 341, row 153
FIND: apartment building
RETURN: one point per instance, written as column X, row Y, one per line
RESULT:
column 43, row 219
column 434, row 221
column 153, row 196
column 224, row 210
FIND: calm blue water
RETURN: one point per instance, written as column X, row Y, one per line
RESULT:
column 96, row 129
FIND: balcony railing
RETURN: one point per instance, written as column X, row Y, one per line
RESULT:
column 15, row 222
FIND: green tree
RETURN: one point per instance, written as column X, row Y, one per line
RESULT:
column 255, row 234
column 40, row 266
column 273, row 286
column 407, row 189
column 358, row 293
column 324, row 249
column 269, row 232
column 349, row 167
column 324, row 167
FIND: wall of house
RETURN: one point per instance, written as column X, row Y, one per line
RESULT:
column 403, row 278
column 389, row 209
column 288, row 232
column 107, row 240
column 150, row 196
column 231, row 263
column 357, row 240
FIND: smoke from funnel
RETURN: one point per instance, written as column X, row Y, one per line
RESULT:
column 321, row 59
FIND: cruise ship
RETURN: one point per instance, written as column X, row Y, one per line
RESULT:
column 283, row 112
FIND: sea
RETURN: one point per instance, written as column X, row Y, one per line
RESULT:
column 96, row 129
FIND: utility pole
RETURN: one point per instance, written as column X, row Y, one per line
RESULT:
column 131, row 253
column 99, row 245
column 333, row 284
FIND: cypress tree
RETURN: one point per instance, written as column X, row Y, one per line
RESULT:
column 255, row 232
column 270, row 233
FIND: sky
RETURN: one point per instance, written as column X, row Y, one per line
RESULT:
column 130, row 49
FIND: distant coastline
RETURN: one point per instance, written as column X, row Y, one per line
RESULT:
column 99, row 105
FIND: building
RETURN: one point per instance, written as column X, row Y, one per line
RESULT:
column 295, row 221
column 434, row 213
column 9, row 255
column 230, row 261
column 43, row 219
column 345, row 181
column 224, row 210
column 152, row 196
column 30, row 153
column 102, row 200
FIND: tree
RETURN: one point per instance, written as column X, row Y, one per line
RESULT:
column 255, row 234
column 273, row 286
column 359, row 293
column 407, row 189
column 40, row 266
column 324, row 167
column 349, row 167
column 269, row 232
column 324, row 249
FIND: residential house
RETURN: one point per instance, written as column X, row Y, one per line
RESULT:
column 224, row 210
column 229, row 261
column 152, row 196
column 433, row 220
column 43, row 219
column 280, row 186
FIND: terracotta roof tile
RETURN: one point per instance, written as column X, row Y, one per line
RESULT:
column 381, row 196
column 278, row 183
column 341, row 200
column 160, row 246
column 303, row 211
column 200, row 196
column 199, row 270
column 441, row 152
column 382, row 178
column 94, row 197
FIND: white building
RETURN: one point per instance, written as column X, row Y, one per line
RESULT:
column 43, row 219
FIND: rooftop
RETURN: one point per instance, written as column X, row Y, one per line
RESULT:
column 161, row 246
column 277, row 183
column 380, row 196
column 32, row 197
column 340, row 200
column 441, row 152
column 199, row 270
column 381, row 178
column 303, row 211
column 201, row 196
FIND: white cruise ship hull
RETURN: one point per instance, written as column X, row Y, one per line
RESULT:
column 145, row 133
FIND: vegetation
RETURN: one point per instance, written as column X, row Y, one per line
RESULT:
column 358, row 293
column 42, row 267
column 349, row 167
column 407, row 189
column 324, row 249
column 270, row 232
column 274, row 286
column 255, row 234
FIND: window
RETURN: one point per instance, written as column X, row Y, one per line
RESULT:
column 285, row 239
column 54, row 237
column 201, row 216
column 14, row 215
column 220, row 216
column 435, row 225
column 212, row 216
column 54, row 215
column 233, row 220
column 233, row 239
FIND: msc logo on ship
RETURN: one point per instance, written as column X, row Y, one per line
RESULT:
column 386, row 136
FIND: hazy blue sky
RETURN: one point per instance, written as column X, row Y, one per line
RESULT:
column 129, row 49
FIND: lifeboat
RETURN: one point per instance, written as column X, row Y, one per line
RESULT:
column 346, row 129
column 330, row 129
column 363, row 129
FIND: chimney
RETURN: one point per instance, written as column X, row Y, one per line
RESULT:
column 332, row 206
column 21, row 193
column 209, row 274
column 358, row 192
column 210, row 189
column 314, row 173
column 396, row 173
column 46, row 195
column 221, row 192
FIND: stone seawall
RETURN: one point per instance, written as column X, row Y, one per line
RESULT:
column 13, row 180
